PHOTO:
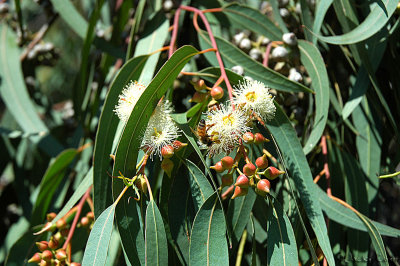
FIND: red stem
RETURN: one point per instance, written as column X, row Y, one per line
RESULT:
column 328, row 178
column 266, row 55
column 174, row 32
column 76, row 218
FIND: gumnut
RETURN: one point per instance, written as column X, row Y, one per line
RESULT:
column 178, row 145
column 198, row 97
column 239, row 192
column 61, row 224
column 272, row 173
column 249, row 169
column 200, row 85
column 53, row 243
column 217, row 93
column 227, row 162
column 262, row 162
column 259, row 139
column 248, row 137
column 167, row 151
column 50, row 216
column 263, row 187
column 167, row 165
column 45, row 263
column 226, row 180
column 90, row 216
column 85, row 222
column 61, row 255
column 47, row 255
column 42, row 245
column 242, row 181
column 218, row 167
column 36, row 258
column 58, row 236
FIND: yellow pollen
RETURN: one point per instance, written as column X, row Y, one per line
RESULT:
column 251, row 96
column 156, row 133
column 228, row 120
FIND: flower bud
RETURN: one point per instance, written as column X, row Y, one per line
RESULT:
column 200, row 85
column 259, row 139
column 53, row 243
column 249, row 169
column 242, row 181
column 198, row 97
column 75, row 264
column 85, row 221
column 90, row 216
column 47, row 255
column 227, row 162
column 61, row 224
column 167, row 151
column 50, row 227
column 167, row 165
column 245, row 44
column 61, row 255
column 36, row 258
column 42, row 245
column 262, row 162
column 45, row 263
column 51, row 216
column 272, row 173
column 248, row 137
column 238, row 70
column 280, row 53
column 218, row 167
column 238, row 37
column 58, row 236
column 263, row 187
column 178, row 145
column 226, row 180
column 239, row 192
column 295, row 75
column 64, row 232
column 217, row 93
column 289, row 38
column 142, row 184
column 255, row 54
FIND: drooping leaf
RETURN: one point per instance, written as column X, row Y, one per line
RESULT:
column 155, row 239
column 314, row 64
column 208, row 244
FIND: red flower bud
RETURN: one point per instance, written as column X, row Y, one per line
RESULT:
column 90, row 216
column 226, row 180
column 45, row 263
column 242, row 181
column 85, row 221
column 42, row 245
column 75, row 264
column 51, row 216
column 199, row 85
column 239, row 192
column 36, row 258
column 167, row 165
column 249, row 169
column 58, row 236
column 198, row 97
column 259, row 138
column 272, row 172
column 47, row 255
column 248, row 137
column 178, row 145
column 263, row 187
column 262, row 162
column 61, row 255
column 217, row 93
column 53, row 243
column 61, row 224
column 167, row 151
column 227, row 162
column 218, row 167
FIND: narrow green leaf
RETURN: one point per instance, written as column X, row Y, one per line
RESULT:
column 288, row 142
column 199, row 185
column 155, row 238
column 306, row 19
column 315, row 66
column 281, row 242
column 23, row 249
column 277, row 15
column 99, row 239
column 320, row 12
column 50, row 182
column 248, row 17
column 233, row 56
column 377, row 18
column 208, row 244
column 239, row 210
column 108, row 124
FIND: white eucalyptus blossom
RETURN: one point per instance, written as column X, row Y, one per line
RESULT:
column 253, row 95
column 225, row 128
column 127, row 100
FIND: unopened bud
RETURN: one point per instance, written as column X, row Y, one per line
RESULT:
column 249, row 169
column 167, row 151
column 61, row 255
column 272, row 173
column 259, row 139
column 44, row 263
column 167, row 165
column 227, row 162
column 218, row 167
column 50, row 216
column 242, row 181
column 198, row 97
column 245, row 44
column 64, row 232
column 289, row 38
column 238, row 70
column 217, row 93
column 248, row 137
column 61, row 224
column 279, row 53
column 262, row 162
column 42, row 245
column 53, row 243
column 85, row 221
column 58, row 236
column 239, row 192
column 263, row 187
column 36, row 258
column 75, row 264
column 226, row 180
column 199, row 85
column 142, row 184
column 178, row 145
column 47, row 255
column 90, row 216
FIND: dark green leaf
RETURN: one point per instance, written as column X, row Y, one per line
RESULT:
column 23, row 249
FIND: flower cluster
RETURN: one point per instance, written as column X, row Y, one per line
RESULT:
column 128, row 99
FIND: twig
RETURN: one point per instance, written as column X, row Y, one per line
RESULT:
column 227, row 192
column 328, row 179
column 318, row 177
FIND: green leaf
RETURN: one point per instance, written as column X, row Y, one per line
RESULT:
column 155, row 239
column 154, row 38
column 233, row 56
column 23, row 249
column 208, row 244
column 239, row 210
column 129, row 145
column 277, row 15
column 299, row 169
column 108, row 124
column 281, row 242
column 247, row 17
column 50, row 182
column 376, row 19
column 306, row 19
column 315, row 66
column 320, row 12
column 99, row 239
column 199, row 185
